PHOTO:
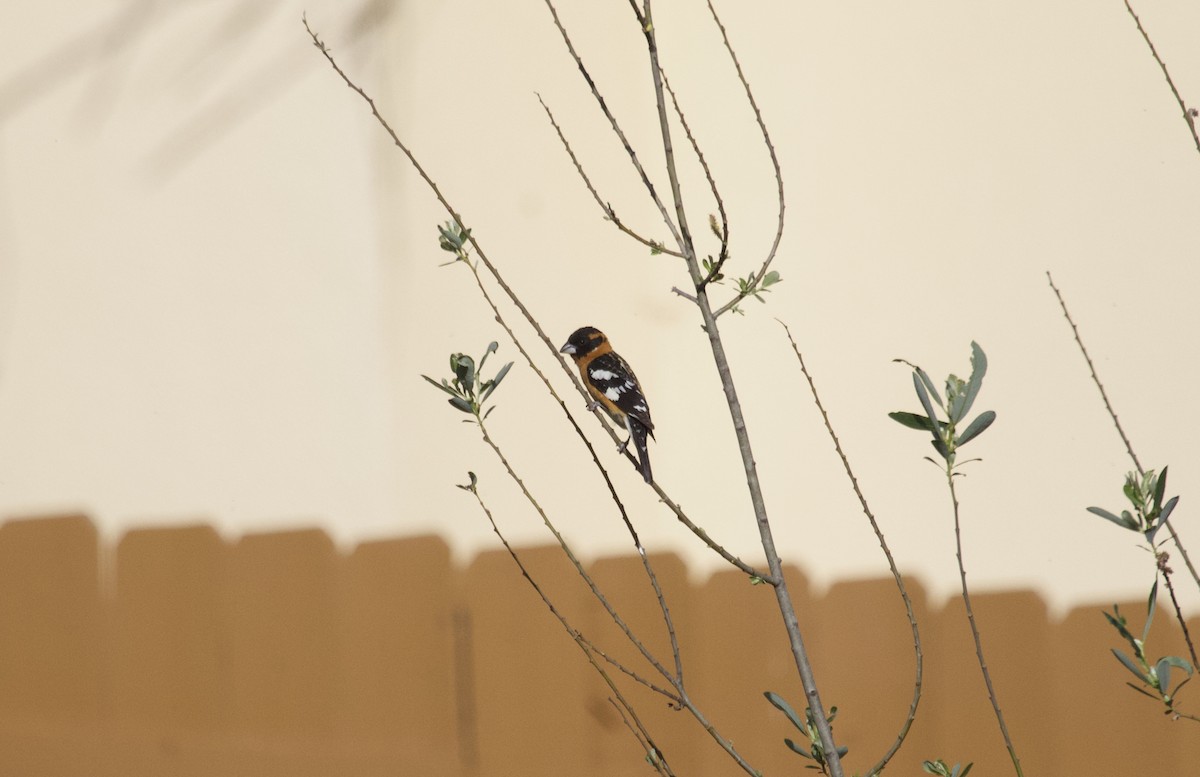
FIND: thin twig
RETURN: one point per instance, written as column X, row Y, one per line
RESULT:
column 1116, row 422
column 562, row 542
column 908, row 607
column 723, row 254
column 605, row 206
column 633, row 157
column 654, row 756
column 1189, row 116
column 1166, row 570
column 762, row 126
column 966, row 594
column 574, row 633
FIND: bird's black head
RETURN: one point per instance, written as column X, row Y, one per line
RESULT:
column 583, row 340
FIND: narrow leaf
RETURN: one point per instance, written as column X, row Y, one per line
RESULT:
column 912, row 421
column 495, row 381
column 978, row 370
column 1118, row 520
column 1128, row 662
column 785, row 708
column 491, row 349
column 461, row 404
column 1160, row 487
column 923, row 395
column 797, row 749
column 924, row 376
column 1151, row 604
column 441, row 386
column 1167, row 508
column 977, row 427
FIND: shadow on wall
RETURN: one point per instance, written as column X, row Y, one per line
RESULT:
column 278, row 655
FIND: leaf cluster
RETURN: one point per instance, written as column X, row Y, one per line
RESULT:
column 455, row 239
column 1145, row 494
column 1156, row 676
column 940, row 768
column 960, row 396
column 468, row 390
column 815, row 751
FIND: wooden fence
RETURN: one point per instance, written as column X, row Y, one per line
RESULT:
column 180, row 653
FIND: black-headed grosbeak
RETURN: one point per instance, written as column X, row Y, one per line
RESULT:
column 614, row 387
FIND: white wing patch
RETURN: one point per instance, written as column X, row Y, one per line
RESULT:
column 613, row 393
column 599, row 374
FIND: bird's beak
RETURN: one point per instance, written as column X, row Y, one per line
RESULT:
column 568, row 348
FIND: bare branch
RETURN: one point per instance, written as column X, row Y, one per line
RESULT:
column 605, row 206
column 712, row 184
column 653, row 755
column 762, row 126
column 1189, row 115
column 908, row 607
column 616, row 127
column 966, row 595
column 1116, row 422
column 589, row 646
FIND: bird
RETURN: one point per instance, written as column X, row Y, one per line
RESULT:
column 614, row 387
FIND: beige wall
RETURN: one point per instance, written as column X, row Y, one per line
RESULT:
column 219, row 282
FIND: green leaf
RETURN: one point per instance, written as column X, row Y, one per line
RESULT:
column 939, row 445
column 912, row 421
column 797, row 749
column 441, row 386
column 978, row 370
column 785, row 708
column 1118, row 622
column 499, row 377
column 770, row 279
column 461, row 404
column 1118, row 520
column 1162, row 671
column 1167, row 508
column 1131, row 487
column 966, row 769
column 1160, row 488
column 465, row 370
column 491, row 349
column 1178, row 663
column 1132, row 667
column 977, row 427
column 923, row 395
column 1151, row 602
column 924, row 376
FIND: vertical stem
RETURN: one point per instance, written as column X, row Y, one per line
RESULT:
column 987, row 676
column 775, row 566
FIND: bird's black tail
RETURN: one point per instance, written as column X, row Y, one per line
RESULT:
column 639, row 431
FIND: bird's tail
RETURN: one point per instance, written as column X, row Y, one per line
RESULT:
column 638, row 432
